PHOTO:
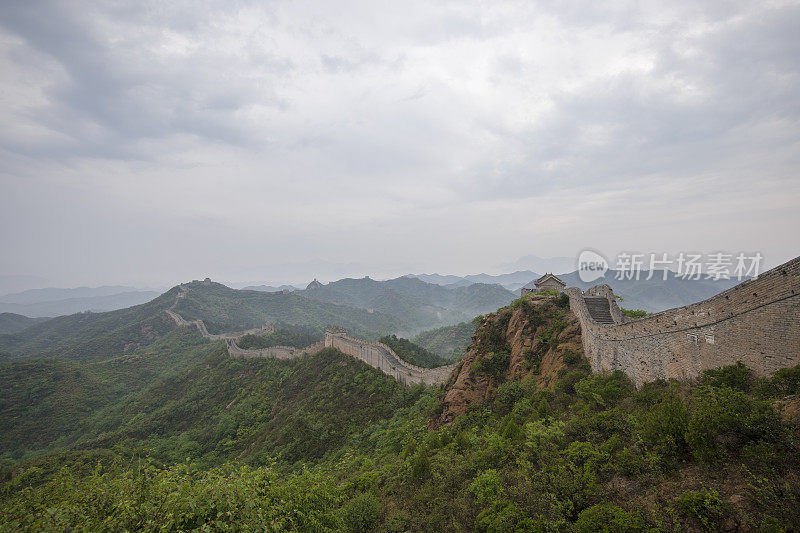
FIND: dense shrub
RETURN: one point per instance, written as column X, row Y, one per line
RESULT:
column 784, row 382
column 608, row 518
column 361, row 513
column 604, row 389
column 724, row 418
column 735, row 376
column 664, row 427
column 412, row 353
column 493, row 363
column 705, row 506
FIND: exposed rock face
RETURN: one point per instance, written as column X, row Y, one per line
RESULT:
column 536, row 336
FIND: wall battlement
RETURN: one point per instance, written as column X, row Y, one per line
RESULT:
column 756, row 322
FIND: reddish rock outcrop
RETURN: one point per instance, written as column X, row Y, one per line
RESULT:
column 536, row 336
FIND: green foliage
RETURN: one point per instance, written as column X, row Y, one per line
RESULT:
column 284, row 335
column 562, row 301
column 448, row 342
column 705, row 506
column 178, row 498
column 412, row 353
column 735, row 376
column 361, row 513
column 608, row 518
column 571, row 357
column 784, row 382
column 727, row 419
column 495, row 364
column 326, row 443
column 664, row 427
column 633, row 313
column 224, row 309
column 93, row 336
column 604, row 390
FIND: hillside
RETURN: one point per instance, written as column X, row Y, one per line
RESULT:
column 415, row 302
column 110, row 334
column 12, row 322
column 93, row 335
column 225, row 309
column 448, row 342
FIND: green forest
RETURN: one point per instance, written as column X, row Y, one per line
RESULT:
column 176, row 435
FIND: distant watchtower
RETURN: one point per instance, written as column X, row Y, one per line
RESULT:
column 548, row 282
column 314, row 285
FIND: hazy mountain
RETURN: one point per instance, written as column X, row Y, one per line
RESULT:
column 52, row 294
column 32, row 303
column 420, row 304
column 512, row 282
column 438, row 279
column 270, row 288
column 655, row 294
column 225, row 309
column 12, row 322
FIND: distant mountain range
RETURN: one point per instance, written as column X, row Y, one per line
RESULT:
column 50, row 302
column 270, row 288
column 651, row 295
column 416, row 303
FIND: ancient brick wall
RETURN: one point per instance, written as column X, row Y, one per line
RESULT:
column 756, row 322
column 382, row 357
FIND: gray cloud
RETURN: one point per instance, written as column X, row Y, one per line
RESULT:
column 145, row 141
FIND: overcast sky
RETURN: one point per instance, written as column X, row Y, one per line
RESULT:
column 154, row 142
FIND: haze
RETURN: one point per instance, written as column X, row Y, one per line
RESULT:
column 150, row 143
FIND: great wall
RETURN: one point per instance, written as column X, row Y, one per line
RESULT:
column 375, row 354
column 756, row 322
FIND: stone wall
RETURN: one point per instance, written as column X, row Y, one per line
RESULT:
column 756, row 322
column 374, row 354
column 382, row 357
column 275, row 352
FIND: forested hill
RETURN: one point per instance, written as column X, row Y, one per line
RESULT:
column 93, row 335
column 12, row 322
column 98, row 336
column 225, row 309
column 417, row 303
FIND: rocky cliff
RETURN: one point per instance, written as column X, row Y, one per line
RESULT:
column 534, row 335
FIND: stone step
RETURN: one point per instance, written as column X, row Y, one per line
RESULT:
column 599, row 309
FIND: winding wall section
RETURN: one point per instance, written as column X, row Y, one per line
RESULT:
column 756, row 322
column 375, row 354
